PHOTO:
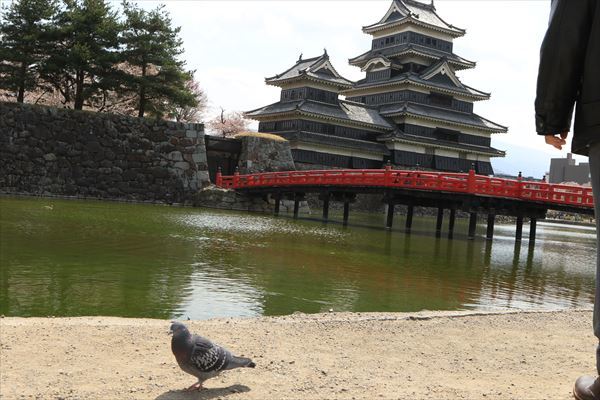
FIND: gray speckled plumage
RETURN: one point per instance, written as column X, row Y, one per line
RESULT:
column 200, row 357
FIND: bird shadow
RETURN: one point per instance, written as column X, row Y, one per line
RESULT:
column 205, row 394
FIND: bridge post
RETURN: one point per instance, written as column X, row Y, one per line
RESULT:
column 236, row 178
column 390, row 215
column 472, row 225
column 451, row 223
column 439, row 222
column 471, row 181
column 296, row 206
column 219, row 178
column 409, row 217
column 346, row 212
column 277, row 204
column 387, row 175
column 490, row 226
column 519, row 233
column 532, row 229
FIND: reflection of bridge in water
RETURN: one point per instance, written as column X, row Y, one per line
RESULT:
column 466, row 192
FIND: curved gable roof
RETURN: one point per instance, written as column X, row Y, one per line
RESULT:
column 319, row 68
column 403, row 11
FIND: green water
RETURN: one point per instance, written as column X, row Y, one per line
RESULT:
column 70, row 258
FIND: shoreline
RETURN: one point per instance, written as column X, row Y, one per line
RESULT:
column 429, row 354
column 567, row 222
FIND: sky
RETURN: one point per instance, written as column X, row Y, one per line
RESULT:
column 234, row 45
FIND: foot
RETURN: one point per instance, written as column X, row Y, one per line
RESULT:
column 587, row 388
column 195, row 386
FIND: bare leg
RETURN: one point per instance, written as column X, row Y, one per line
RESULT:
column 195, row 386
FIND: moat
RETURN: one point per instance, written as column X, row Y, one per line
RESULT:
column 73, row 258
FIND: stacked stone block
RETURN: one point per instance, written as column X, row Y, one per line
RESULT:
column 49, row 151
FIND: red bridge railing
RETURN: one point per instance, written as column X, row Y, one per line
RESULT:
column 417, row 180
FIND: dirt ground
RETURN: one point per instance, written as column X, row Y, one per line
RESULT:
column 331, row 356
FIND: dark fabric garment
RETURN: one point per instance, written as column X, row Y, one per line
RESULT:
column 569, row 73
column 594, row 155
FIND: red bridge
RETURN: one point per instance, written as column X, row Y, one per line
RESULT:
column 454, row 191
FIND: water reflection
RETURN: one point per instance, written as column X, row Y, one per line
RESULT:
column 93, row 258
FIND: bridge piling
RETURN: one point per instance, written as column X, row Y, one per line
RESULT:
column 409, row 217
column 346, row 212
column 439, row 222
column 326, row 208
column 472, row 225
column 277, row 204
column 451, row 223
column 390, row 216
column 296, row 207
column 532, row 229
column 519, row 232
column 491, row 220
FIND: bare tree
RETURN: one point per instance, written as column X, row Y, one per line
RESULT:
column 229, row 124
column 191, row 114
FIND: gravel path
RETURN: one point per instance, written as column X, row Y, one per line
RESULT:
column 331, row 356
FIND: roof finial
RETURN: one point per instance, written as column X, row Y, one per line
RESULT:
column 433, row 4
column 325, row 52
column 300, row 58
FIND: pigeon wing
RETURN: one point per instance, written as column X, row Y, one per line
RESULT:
column 207, row 356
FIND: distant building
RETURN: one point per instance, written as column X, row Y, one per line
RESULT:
column 410, row 109
column 567, row 170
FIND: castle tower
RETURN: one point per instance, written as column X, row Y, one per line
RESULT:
column 323, row 130
column 411, row 108
column 411, row 79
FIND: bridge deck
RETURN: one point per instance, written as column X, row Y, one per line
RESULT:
column 552, row 196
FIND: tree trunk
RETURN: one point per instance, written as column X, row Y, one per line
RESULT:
column 21, row 94
column 142, row 107
column 79, row 91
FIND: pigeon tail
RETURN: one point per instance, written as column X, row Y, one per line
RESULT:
column 240, row 362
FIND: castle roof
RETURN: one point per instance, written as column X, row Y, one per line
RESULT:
column 443, row 86
column 416, row 13
column 412, row 49
column 436, row 114
column 318, row 69
column 345, row 111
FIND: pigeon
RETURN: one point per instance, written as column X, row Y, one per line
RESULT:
column 200, row 357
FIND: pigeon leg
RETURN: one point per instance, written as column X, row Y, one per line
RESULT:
column 195, row 386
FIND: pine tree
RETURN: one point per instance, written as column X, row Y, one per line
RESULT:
column 24, row 40
column 85, row 51
column 152, row 45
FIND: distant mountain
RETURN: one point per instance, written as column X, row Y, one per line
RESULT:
column 529, row 161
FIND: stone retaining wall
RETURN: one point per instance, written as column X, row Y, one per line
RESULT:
column 49, row 151
column 264, row 155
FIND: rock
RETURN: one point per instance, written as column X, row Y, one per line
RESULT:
column 175, row 156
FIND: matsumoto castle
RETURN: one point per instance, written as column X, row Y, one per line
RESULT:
column 410, row 109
